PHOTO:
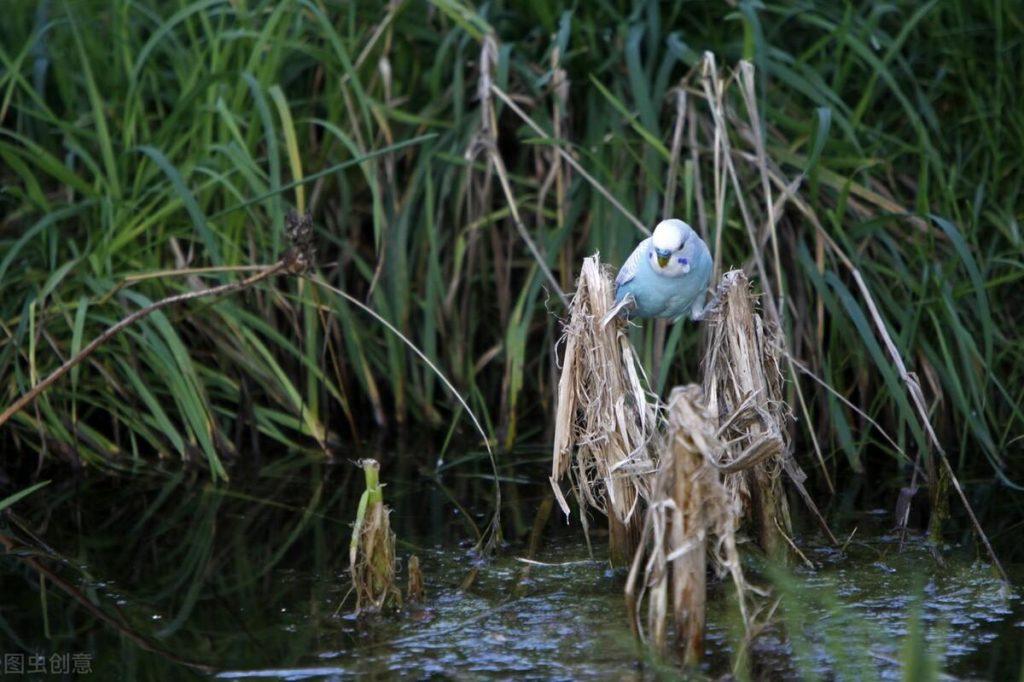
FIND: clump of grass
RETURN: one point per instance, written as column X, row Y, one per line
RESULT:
column 692, row 519
column 603, row 422
column 372, row 549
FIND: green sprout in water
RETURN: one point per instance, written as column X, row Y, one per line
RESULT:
column 372, row 550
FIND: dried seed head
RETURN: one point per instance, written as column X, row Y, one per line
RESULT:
column 302, row 254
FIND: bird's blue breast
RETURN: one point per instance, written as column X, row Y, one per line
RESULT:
column 657, row 295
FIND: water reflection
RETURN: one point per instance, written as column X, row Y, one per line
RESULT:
column 163, row 575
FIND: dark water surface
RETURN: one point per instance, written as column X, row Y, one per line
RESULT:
column 150, row 576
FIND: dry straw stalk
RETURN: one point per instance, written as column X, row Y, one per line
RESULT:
column 604, row 421
column 692, row 518
column 743, row 390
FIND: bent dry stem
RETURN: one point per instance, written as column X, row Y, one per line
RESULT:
column 267, row 272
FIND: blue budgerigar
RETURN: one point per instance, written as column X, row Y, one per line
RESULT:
column 667, row 275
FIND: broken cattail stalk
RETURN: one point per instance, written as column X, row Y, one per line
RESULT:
column 372, row 550
column 689, row 508
column 604, row 422
column 414, row 592
column 743, row 388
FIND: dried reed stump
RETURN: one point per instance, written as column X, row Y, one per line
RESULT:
column 604, row 423
column 743, row 389
column 691, row 519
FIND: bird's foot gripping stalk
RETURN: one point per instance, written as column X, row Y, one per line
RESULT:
column 627, row 304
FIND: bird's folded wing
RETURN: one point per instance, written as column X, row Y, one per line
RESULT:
column 632, row 265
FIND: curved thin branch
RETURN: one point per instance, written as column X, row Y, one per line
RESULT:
column 284, row 265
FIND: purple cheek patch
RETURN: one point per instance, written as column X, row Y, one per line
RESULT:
column 683, row 261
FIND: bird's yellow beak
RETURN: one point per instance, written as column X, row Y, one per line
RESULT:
column 663, row 260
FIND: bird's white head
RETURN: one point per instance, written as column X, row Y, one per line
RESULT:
column 668, row 248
